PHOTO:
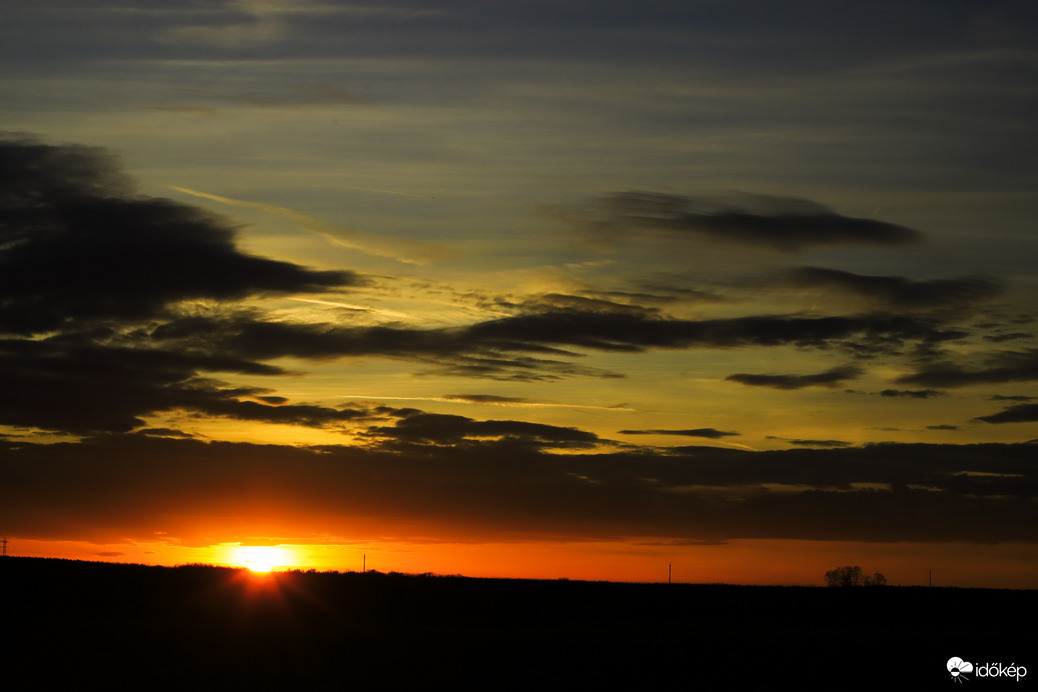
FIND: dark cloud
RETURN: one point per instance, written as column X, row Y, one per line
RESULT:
column 672, row 293
column 486, row 399
column 92, row 273
column 942, row 427
column 1005, row 366
column 911, row 393
column 165, row 432
column 999, row 338
column 536, row 346
column 76, row 245
column 84, row 388
column 820, row 443
column 675, row 294
column 780, row 223
column 443, row 429
column 637, row 332
column 899, row 291
column 72, row 384
column 410, row 483
column 830, row 378
column 216, row 403
column 1021, row 413
column 559, row 301
column 709, row 433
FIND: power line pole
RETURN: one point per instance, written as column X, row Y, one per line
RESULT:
column 5, row 546
column 670, row 566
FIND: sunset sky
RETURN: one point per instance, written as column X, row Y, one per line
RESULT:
column 534, row 289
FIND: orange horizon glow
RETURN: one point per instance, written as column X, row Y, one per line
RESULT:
column 749, row 562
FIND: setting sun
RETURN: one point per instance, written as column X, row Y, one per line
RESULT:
column 261, row 558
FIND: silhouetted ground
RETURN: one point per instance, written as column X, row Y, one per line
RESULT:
column 198, row 627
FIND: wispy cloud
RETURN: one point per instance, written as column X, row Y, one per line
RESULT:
column 409, row 253
column 786, row 224
column 486, row 400
column 829, row 378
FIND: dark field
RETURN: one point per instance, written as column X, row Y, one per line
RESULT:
column 197, row 627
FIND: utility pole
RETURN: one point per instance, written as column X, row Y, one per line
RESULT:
column 670, row 566
column 5, row 546
column 364, row 564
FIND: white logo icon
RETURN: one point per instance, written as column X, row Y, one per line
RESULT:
column 957, row 667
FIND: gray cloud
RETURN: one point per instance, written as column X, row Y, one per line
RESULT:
column 779, row 223
column 710, row 433
column 76, row 245
column 538, row 345
column 1021, row 413
column 830, row 378
column 83, row 263
column 820, row 443
column 1014, row 336
column 486, row 399
column 911, row 393
column 471, row 481
column 1005, row 366
column 430, row 428
column 899, row 291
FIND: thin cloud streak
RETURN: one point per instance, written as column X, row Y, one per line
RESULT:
column 484, row 400
column 337, row 235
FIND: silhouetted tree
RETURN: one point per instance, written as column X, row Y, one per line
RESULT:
column 853, row 576
column 877, row 579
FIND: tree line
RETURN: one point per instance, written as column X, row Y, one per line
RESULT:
column 853, row 576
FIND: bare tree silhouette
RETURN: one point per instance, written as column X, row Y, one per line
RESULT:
column 853, row 576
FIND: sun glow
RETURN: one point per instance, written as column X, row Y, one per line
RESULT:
column 261, row 558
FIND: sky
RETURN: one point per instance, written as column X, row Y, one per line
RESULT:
column 713, row 291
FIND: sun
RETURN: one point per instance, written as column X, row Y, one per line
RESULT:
column 262, row 558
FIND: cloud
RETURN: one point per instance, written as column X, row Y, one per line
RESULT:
column 820, row 443
column 1021, row 413
column 911, row 394
column 89, row 271
column 899, row 291
column 1001, row 367
column 786, row 224
column 487, row 399
column 638, row 332
column 70, row 383
column 425, row 428
column 478, row 480
column 165, row 432
column 999, row 338
column 710, row 433
column 538, row 346
column 85, row 388
column 830, row 378
column 76, row 245
column 550, row 302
